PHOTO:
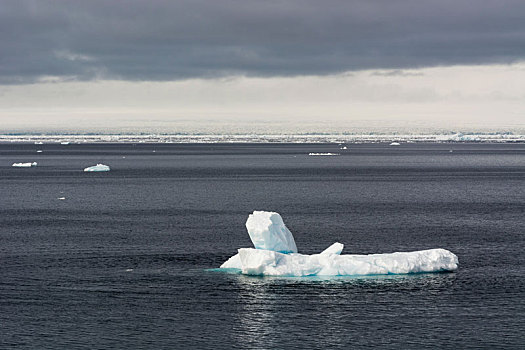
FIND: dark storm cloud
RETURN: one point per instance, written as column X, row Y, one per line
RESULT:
column 165, row 40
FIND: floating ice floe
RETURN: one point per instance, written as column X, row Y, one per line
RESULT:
column 395, row 144
column 275, row 254
column 24, row 165
column 323, row 154
column 98, row 167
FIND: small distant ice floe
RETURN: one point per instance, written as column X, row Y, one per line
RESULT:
column 64, row 143
column 39, row 151
column 38, row 143
column 61, row 198
column 395, row 144
column 98, row 167
column 24, row 165
column 344, row 147
column 323, row 154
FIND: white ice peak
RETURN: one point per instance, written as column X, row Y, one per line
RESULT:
column 268, row 231
column 276, row 255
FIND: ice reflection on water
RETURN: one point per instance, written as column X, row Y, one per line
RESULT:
column 267, row 305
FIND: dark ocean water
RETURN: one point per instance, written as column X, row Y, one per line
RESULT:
column 122, row 262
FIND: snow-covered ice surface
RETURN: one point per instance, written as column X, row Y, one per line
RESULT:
column 98, row 167
column 267, row 230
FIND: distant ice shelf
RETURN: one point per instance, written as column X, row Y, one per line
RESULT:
column 25, row 165
column 98, row 167
column 275, row 254
column 343, row 138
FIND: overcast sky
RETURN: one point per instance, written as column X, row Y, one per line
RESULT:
column 245, row 66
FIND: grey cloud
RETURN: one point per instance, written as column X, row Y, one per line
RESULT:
column 167, row 40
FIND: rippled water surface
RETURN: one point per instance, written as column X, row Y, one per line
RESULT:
column 123, row 261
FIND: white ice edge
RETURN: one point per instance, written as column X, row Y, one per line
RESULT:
column 330, row 262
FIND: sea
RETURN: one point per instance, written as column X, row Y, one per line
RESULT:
column 127, row 259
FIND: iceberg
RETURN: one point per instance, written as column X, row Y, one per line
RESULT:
column 275, row 254
column 98, row 167
column 24, row 165
column 395, row 144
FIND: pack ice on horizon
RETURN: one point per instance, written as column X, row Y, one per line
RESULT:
column 275, row 254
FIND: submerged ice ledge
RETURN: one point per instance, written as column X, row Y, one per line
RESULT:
column 265, row 228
